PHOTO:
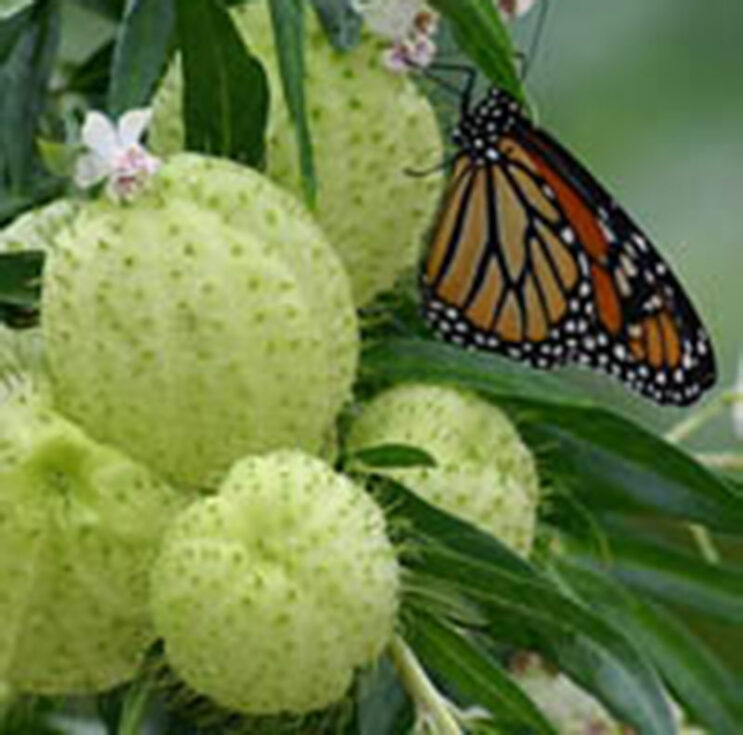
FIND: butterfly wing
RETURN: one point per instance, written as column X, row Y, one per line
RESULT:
column 531, row 258
column 504, row 272
column 646, row 330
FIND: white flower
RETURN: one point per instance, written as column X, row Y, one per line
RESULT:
column 115, row 153
column 416, row 52
column 409, row 24
column 511, row 9
column 390, row 19
column 738, row 401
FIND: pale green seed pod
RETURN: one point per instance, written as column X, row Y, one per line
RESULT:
column 368, row 126
column 484, row 473
column 269, row 595
column 79, row 527
column 36, row 229
column 207, row 320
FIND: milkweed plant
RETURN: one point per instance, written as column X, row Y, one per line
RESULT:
column 242, row 488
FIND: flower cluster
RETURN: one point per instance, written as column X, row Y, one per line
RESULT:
column 411, row 25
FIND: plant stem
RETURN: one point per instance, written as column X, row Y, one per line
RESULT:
column 429, row 701
column 721, row 460
column 134, row 708
column 704, row 542
column 684, row 430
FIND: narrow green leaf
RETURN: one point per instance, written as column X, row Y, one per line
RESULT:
column 396, row 360
column 383, row 705
column 669, row 575
column 392, row 455
column 20, row 287
column 287, row 17
column 226, row 92
column 42, row 188
column 480, row 33
column 111, row 9
column 11, row 27
column 611, row 464
column 57, row 158
column 697, row 678
column 525, row 606
column 474, row 676
column 143, row 40
column 92, row 78
column 534, row 613
column 24, row 76
column 444, row 529
column 341, row 22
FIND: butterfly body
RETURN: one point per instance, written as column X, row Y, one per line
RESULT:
column 533, row 259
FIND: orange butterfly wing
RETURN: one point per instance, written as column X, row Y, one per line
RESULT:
column 531, row 258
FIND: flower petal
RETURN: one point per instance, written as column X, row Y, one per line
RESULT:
column 99, row 134
column 90, row 169
column 391, row 19
column 132, row 125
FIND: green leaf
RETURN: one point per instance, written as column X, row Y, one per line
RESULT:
column 696, row 677
column 226, row 92
column 531, row 612
column 525, row 607
column 143, row 40
column 27, row 715
column 111, row 9
column 473, row 675
column 341, row 22
column 480, row 33
column 669, row 575
column 42, row 188
column 611, row 464
column 58, row 158
column 383, row 705
column 392, row 456
column 28, row 57
column 398, row 360
column 287, row 17
column 92, row 78
column 20, row 287
column 452, row 533
column 11, row 27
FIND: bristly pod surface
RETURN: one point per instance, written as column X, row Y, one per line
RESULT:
column 484, row 473
column 368, row 127
column 36, row 229
column 270, row 594
column 79, row 526
column 207, row 320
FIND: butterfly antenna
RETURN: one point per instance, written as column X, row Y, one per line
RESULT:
column 420, row 173
column 537, row 37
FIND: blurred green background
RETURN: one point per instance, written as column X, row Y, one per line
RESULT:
column 650, row 96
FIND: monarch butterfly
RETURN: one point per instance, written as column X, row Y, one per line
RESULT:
column 532, row 258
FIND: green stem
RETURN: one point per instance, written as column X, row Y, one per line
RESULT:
column 703, row 539
column 431, row 704
column 721, row 460
column 684, row 429
column 134, row 708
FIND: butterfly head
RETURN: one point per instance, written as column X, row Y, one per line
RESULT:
column 481, row 127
